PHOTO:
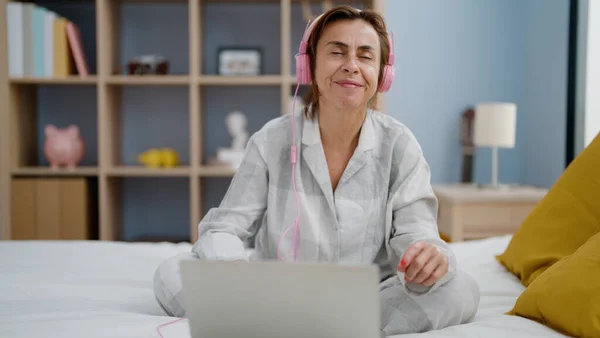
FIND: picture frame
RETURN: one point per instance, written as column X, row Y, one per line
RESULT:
column 240, row 61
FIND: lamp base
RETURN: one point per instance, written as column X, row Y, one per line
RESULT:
column 497, row 186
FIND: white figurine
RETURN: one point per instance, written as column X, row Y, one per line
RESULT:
column 236, row 125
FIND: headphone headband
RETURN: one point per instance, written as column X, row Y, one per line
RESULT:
column 391, row 56
column 310, row 25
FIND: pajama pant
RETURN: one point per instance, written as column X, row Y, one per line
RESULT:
column 453, row 303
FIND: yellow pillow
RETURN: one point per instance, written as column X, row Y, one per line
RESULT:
column 562, row 221
column 566, row 297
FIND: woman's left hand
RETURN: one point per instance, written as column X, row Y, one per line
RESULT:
column 423, row 263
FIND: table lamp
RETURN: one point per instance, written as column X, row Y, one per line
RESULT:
column 495, row 127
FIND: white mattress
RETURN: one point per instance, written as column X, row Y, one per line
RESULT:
column 104, row 289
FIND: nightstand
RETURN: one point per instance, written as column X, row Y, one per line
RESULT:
column 468, row 211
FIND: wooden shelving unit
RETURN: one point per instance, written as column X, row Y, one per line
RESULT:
column 19, row 144
column 72, row 80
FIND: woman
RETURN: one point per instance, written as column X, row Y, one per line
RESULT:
column 355, row 188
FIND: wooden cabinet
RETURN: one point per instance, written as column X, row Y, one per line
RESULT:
column 51, row 209
column 469, row 212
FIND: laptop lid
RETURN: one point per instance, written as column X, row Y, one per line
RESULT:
column 272, row 299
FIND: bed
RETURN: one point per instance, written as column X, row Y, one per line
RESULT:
column 104, row 289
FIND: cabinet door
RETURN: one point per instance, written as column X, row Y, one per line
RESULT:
column 23, row 211
column 74, row 209
column 48, row 208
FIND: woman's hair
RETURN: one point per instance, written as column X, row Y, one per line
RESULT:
column 338, row 13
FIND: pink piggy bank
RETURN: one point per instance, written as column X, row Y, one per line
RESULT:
column 63, row 146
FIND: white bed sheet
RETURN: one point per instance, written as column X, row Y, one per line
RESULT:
column 104, row 289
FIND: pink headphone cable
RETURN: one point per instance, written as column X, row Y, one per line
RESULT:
column 165, row 324
column 293, row 153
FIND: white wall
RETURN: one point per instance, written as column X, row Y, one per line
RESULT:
column 592, row 87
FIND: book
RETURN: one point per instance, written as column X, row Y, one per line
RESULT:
column 42, row 43
column 28, row 39
column 14, row 32
column 74, row 36
column 49, row 43
column 39, row 22
column 63, row 65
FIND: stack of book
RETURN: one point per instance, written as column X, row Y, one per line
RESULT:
column 41, row 43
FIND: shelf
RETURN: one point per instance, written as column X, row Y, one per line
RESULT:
column 151, row 1
column 334, row 2
column 47, row 171
column 71, row 80
column 240, row 80
column 216, row 171
column 148, row 80
column 139, row 171
column 120, row 116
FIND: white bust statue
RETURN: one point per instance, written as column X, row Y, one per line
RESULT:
column 236, row 125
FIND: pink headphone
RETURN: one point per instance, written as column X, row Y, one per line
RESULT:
column 303, row 63
column 304, row 77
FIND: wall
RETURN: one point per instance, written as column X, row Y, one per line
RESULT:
column 587, row 118
column 544, row 111
column 453, row 54
column 592, row 83
column 580, row 76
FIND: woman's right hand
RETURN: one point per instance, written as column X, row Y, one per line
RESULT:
column 423, row 263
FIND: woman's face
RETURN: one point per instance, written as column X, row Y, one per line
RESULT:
column 347, row 64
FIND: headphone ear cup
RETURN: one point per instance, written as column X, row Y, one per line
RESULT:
column 387, row 79
column 303, row 69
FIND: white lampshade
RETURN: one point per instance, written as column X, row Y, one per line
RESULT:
column 495, row 124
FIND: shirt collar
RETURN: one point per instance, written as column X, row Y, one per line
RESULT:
column 311, row 134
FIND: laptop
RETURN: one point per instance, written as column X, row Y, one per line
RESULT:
column 272, row 299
